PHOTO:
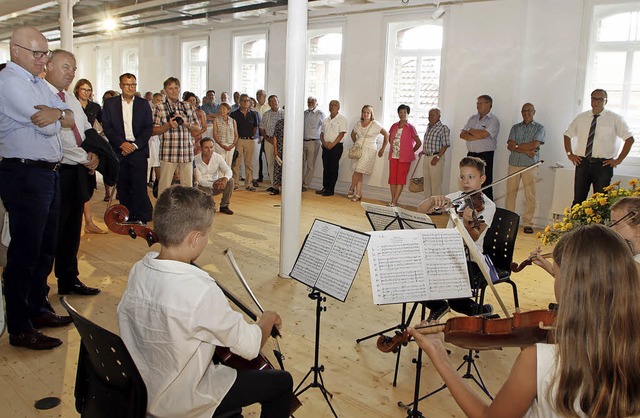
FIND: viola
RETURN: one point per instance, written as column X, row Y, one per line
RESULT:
column 473, row 200
column 515, row 267
column 116, row 217
column 479, row 333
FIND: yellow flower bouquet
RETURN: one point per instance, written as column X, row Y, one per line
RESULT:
column 596, row 209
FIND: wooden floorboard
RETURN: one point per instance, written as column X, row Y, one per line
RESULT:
column 358, row 375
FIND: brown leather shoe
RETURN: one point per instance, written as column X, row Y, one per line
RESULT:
column 225, row 209
column 50, row 320
column 34, row 340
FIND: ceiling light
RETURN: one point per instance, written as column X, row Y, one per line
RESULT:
column 109, row 25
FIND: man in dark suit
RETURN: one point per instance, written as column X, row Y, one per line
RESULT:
column 127, row 123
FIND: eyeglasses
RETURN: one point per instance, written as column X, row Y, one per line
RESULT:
column 527, row 111
column 629, row 215
column 85, row 90
column 37, row 54
column 129, row 85
column 598, row 99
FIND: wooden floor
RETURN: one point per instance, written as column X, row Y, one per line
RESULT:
column 358, row 375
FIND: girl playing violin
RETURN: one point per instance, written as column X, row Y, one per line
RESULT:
column 593, row 370
column 476, row 222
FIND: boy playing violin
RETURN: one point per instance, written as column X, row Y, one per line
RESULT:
column 173, row 315
column 476, row 222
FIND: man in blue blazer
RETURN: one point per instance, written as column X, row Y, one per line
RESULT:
column 127, row 124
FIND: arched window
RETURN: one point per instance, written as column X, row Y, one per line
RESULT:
column 413, row 70
column 324, row 49
column 614, row 64
column 194, row 67
column 249, row 70
column 130, row 61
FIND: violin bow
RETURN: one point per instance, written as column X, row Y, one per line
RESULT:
column 477, row 257
column 274, row 332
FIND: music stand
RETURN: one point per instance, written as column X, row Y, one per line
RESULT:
column 388, row 218
column 328, row 262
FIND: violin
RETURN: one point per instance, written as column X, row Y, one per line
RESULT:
column 515, row 267
column 473, row 200
column 479, row 333
column 116, row 216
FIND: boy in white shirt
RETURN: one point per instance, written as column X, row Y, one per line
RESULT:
column 173, row 316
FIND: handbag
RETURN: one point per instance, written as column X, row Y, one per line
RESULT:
column 416, row 184
column 355, row 152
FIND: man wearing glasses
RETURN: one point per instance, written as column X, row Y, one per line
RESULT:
column 31, row 116
column 127, row 124
column 524, row 143
column 596, row 134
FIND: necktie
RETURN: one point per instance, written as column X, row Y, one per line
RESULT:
column 592, row 134
column 76, row 133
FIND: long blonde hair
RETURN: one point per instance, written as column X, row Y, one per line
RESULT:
column 598, row 343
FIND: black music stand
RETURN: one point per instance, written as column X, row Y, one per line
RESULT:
column 328, row 262
column 386, row 218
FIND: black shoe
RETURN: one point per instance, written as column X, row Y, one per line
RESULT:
column 260, row 180
column 528, row 230
column 327, row 193
column 274, row 192
column 270, row 189
column 241, row 178
column 487, row 309
column 225, row 209
column 439, row 312
column 34, row 340
column 78, row 288
column 320, row 191
column 255, row 183
column 50, row 320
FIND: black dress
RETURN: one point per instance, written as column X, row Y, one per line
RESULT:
column 93, row 112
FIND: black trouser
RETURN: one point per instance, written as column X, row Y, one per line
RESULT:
column 590, row 171
column 69, row 225
column 273, row 389
column 487, row 157
column 132, row 186
column 32, row 198
column 260, row 161
column 331, row 166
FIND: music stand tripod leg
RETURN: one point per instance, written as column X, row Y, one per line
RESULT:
column 412, row 408
column 403, row 326
column 317, row 369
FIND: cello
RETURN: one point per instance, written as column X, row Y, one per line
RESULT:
column 116, row 218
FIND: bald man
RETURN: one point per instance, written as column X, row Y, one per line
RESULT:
column 31, row 117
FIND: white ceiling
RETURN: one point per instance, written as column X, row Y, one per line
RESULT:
column 148, row 16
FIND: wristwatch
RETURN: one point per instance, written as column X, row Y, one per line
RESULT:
column 569, row 153
column 516, row 146
column 61, row 114
column 436, row 156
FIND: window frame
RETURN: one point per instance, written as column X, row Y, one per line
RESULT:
column 318, row 31
column 185, row 64
column 238, row 39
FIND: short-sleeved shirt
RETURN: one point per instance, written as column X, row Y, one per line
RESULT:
column 609, row 127
column 312, row 124
column 245, row 124
column 436, row 137
column 523, row 134
column 176, row 145
column 332, row 127
column 488, row 123
column 269, row 120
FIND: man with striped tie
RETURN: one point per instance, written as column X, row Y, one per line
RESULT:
column 597, row 145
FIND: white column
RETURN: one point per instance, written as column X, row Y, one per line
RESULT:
column 293, row 127
column 66, row 24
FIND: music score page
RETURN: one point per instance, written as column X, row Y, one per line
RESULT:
column 417, row 265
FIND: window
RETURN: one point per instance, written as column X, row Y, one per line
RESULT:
column 412, row 75
column 130, row 61
column 249, row 69
column 105, row 75
column 614, row 64
column 194, row 67
column 324, row 49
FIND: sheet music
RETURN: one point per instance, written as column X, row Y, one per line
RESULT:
column 414, row 220
column 381, row 217
column 417, row 265
column 330, row 258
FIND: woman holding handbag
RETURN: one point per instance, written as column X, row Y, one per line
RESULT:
column 365, row 148
column 404, row 141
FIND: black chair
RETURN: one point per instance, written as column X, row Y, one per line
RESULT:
column 108, row 383
column 499, row 244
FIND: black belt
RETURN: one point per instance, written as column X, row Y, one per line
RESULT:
column 595, row 160
column 307, row 140
column 34, row 163
column 246, row 137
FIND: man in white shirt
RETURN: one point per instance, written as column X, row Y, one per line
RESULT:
column 213, row 175
column 597, row 131
column 333, row 130
column 74, row 189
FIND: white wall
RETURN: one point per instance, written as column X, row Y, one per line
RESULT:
column 514, row 50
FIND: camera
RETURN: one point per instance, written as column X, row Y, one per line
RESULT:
column 178, row 119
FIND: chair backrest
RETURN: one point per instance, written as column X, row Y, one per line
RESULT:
column 108, row 383
column 500, row 240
